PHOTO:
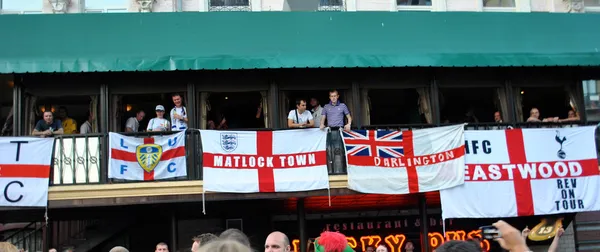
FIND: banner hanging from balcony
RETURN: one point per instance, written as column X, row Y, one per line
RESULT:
column 264, row 161
column 25, row 171
column 401, row 162
column 522, row 172
column 150, row 158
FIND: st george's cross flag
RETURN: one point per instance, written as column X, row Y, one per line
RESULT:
column 402, row 162
column 524, row 172
column 264, row 161
column 148, row 158
column 25, row 171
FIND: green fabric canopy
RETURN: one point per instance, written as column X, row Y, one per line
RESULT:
column 258, row 40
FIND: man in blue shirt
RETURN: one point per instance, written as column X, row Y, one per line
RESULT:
column 335, row 111
column 48, row 127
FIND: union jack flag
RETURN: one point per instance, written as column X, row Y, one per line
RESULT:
column 374, row 143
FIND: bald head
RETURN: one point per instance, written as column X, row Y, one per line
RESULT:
column 277, row 242
column 119, row 249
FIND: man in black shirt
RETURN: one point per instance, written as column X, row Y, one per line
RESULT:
column 48, row 127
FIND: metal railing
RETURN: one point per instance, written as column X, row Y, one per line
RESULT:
column 28, row 238
column 229, row 5
column 80, row 159
column 77, row 159
column 331, row 5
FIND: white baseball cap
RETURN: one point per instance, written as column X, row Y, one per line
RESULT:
column 160, row 108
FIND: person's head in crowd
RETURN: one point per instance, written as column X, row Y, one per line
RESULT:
column 54, row 250
column 534, row 113
column 314, row 102
column 381, row 248
column 225, row 245
column 277, row 242
column 119, row 249
column 334, row 96
column 409, row 246
column 62, row 112
column 201, row 240
column 176, row 99
column 572, row 114
column 162, row 247
column 89, row 116
column 332, row 242
column 301, row 105
column 160, row 111
column 140, row 115
column 48, row 117
column 458, row 246
column 8, row 247
column 370, row 249
column 497, row 117
column 235, row 234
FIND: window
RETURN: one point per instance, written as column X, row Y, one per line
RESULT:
column 498, row 3
column 413, row 2
column 551, row 102
column 331, row 5
column 591, row 5
column 472, row 105
column 414, row 5
column 229, row 5
column 235, row 110
column 6, row 104
column 21, row 6
column 396, row 106
column 105, row 6
column 591, row 99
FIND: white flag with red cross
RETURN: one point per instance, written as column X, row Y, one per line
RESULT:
column 401, row 162
column 264, row 161
column 25, row 171
column 523, row 172
column 147, row 158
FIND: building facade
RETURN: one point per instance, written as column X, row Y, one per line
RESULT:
column 391, row 75
column 112, row 6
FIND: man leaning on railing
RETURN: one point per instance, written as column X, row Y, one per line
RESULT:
column 48, row 126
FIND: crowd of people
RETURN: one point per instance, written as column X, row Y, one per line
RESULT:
column 234, row 240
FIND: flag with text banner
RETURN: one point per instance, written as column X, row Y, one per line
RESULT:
column 402, row 162
column 25, row 171
column 149, row 158
column 523, row 172
column 264, row 161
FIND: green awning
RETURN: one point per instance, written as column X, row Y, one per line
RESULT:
column 259, row 40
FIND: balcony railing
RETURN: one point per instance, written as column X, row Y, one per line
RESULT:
column 331, row 5
column 229, row 5
column 80, row 159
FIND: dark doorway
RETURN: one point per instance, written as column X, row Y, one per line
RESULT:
column 240, row 110
column 469, row 105
column 550, row 101
column 394, row 106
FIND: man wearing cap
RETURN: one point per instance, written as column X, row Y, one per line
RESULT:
column 159, row 123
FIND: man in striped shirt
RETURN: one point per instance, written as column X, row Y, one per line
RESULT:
column 335, row 111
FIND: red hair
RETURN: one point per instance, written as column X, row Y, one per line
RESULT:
column 333, row 241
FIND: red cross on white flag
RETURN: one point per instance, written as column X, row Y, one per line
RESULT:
column 264, row 161
column 526, row 172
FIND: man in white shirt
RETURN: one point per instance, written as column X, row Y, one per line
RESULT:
column 300, row 117
column 159, row 123
column 178, row 114
column 133, row 123
column 86, row 127
column 316, row 110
